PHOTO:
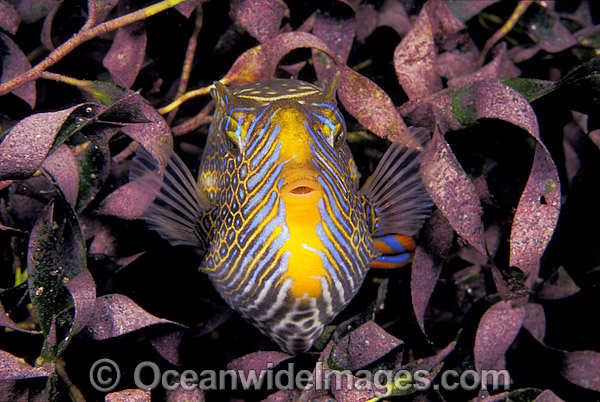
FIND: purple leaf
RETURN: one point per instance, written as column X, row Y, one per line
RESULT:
column 500, row 67
column 497, row 329
column 9, row 18
column 517, row 395
column 128, row 395
column 539, row 206
column 12, row 367
column 354, row 389
column 20, row 153
column 129, row 201
column 366, row 21
column 338, row 36
column 261, row 19
column 182, row 395
column 187, row 7
column 464, row 10
column 363, row 346
column 168, row 346
column 62, row 167
column 126, row 55
column 547, row 396
column 548, row 33
column 32, row 10
column 430, row 255
column 83, row 292
column 257, row 363
column 98, row 10
column 429, row 363
column 582, row 368
column 5, row 321
column 14, row 63
column 453, row 192
column 393, row 15
column 46, row 34
column 561, row 285
column 155, row 135
column 116, row 315
column 414, row 57
column 535, row 321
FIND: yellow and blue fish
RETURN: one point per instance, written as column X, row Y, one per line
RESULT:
column 287, row 233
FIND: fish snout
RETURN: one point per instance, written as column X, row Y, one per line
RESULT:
column 302, row 190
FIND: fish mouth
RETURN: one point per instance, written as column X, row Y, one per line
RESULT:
column 302, row 188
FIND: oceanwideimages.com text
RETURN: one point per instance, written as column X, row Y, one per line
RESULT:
column 105, row 376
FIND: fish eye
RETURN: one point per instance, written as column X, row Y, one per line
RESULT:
column 338, row 135
column 231, row 143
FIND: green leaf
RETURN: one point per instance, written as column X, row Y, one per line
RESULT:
column 102, row 92
column 94, row 168
column 56, row 254
column 530, row 88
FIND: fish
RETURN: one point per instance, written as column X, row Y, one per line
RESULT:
column 288, row 234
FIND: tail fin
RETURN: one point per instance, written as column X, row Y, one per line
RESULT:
column 178, row 204
column 401, row 203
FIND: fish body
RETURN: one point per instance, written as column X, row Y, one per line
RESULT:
column 288, row 235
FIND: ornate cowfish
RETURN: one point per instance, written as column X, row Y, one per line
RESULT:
column 288, row 236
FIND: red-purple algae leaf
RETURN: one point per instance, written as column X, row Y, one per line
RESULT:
column 14, row 368
column 465, row 10
column 430, row 363
column 348, row 388
column 21, row 151
column 524, row 394
column 56, row 255
column 261, row 19
column 285, row 395
column 33, row 10
column 9, row 17
column 559, row 286
column 116, row 315
column 366, row 20
column 104, row 243
column 362, row 346
column 500, row 67
column 573, row 137
column 392, row 14
column 98, row 10
column 129, row 201
column 62, row 166
column 126, row 54
column 5, row 321
column 536, row 216
column 582, row 368
column 338, row 36
column 83, row 292
column 545, row 29
column 414, row 57
column 539, row 206
column 460, row 60
column 168, row 345
column 255, row 365
column 187, row 7
column 155, row 136
column 14, row 63
column 453, row 192
column 371, row 106
column 128, row 395
column 496, row 331
column 535, row 321
column 179, row 394
column 46, row 34
column 431, row 253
